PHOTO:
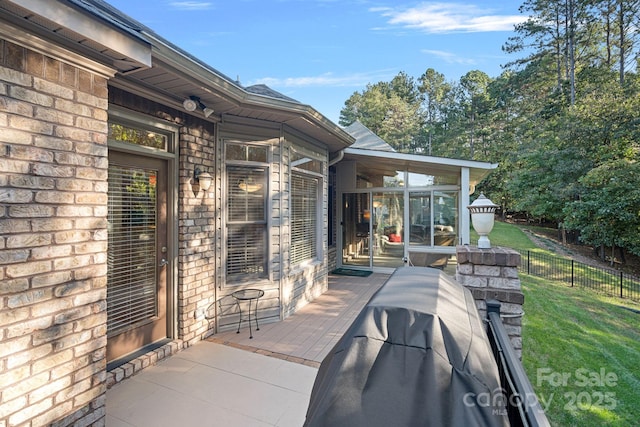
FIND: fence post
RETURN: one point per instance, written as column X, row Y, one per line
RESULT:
column 621, row 278
column 572, row 263
column 528, row 262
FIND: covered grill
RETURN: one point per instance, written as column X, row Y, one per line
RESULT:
column 417, row 354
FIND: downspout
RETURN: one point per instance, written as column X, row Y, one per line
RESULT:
column 337, row 159
column 338, row 241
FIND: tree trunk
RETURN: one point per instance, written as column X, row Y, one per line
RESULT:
column 572, row 52
column 613, row 255
column 608, row 34
column 558, row 52
column 622, row 41
column 623, row 259
column 563, row 232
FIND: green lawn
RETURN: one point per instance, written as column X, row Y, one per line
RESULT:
column 507, row 235
column 581, row 350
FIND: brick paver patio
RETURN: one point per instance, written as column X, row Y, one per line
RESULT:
column 308, row 335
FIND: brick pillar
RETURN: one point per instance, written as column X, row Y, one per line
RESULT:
column 492, row 274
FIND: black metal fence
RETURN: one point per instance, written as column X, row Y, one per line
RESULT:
column 605, row 280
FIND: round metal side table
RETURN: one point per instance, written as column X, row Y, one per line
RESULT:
column 248, row 295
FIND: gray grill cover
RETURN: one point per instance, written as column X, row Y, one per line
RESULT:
column 416, row 355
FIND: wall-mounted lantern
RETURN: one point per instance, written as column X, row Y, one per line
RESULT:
column 482, row 217
column 204, row 179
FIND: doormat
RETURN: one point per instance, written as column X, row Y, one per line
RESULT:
column 350, row 272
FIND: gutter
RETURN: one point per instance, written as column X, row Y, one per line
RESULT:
column 339, row 157
column 184, row 63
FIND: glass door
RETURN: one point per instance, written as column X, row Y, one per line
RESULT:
column 388, row 229
column 373, row 234
column 356, row 220
column 137, row 256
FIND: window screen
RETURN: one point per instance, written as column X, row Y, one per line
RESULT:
column 131, row 256
column 304, row 218
column 246, row 222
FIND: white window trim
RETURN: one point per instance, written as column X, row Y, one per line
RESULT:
column 319, row 177
column 267, row 143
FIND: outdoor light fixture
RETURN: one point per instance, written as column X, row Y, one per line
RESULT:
column 207, row 111
column 482, row 216
column 193, row 103
column 190, row 104
column 204, row 179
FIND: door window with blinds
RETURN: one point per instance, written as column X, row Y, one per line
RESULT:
column 246, row 220
column 132, row 247
column 306, row 204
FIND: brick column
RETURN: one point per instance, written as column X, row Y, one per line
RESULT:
column 492, row 274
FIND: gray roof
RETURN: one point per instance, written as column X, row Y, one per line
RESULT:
column 366, row 139
column 264, row 90
column 383, row 159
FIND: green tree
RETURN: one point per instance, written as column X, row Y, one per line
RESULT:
column 392, row 110
column 566, row 109
column 404, row 86
column 477, row 105
column 607, row 212
column 434, row 89
column 369, row 107
column 401, row 125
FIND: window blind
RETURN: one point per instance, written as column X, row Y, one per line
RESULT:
column 304, row 218
column 246, row 222
column 131, row 255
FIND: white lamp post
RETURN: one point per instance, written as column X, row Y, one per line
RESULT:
column 482, row 216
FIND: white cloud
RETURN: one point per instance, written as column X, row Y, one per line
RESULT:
column 449, row 18
column 449, row 57
column 191, row 5
column 326, row 80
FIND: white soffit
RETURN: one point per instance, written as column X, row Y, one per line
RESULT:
column 74, row 20
column 415, row 162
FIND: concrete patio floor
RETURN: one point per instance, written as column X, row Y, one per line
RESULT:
column 231, row 380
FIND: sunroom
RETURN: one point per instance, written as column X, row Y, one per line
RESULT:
column 400, row 209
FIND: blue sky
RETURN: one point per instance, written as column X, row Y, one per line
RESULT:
column 319, row 52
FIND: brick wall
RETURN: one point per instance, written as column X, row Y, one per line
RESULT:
column 492, row 274
column 53, row 241
column 198, row 228
column 198, row 220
